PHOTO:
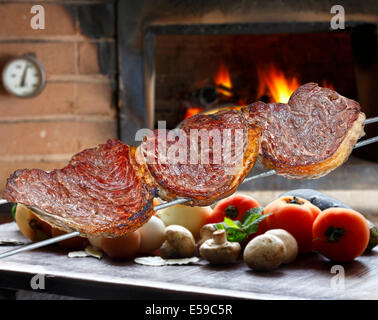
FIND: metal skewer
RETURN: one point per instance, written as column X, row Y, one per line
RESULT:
column 371, row 120
column 70, row 235
column 170, row 203
column 365, row 142
column 40, row 244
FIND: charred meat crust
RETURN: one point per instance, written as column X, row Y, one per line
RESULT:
column 98, row 193
column 306, row 138
column 208, row 198
column 203, row 184
column 320, row 169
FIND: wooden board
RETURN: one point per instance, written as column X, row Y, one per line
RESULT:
column 309, row 277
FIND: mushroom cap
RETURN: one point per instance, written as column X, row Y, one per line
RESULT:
column 265, row 252
column 206, row 233
column 291, row 245
column 218, row 250
column 181, row 239
column 166, row 250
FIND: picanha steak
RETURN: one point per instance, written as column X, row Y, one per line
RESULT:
column 217, row 152
column 108, row 190
column 97, row 193
column 311, row 135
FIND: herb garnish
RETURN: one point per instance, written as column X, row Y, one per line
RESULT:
column 237, row 231
column 14, row 211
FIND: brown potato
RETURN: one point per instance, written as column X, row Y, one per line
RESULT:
column 95, row 242
column 30, row 225
column 124, row 247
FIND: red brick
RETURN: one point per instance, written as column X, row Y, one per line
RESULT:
column 63, row 137
column 61, row 98
column 88, row 58
column 56, row 57
column 7, row 168
column 15, row 20
column 56, row 98
column 94, row 98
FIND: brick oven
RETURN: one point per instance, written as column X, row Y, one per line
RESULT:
column 176, row 49
column 172, row 52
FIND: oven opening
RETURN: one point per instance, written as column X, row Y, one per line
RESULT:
column 197, row 73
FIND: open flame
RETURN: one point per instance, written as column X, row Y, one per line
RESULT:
column 223, row 80
column 191, row 111
column 223, row 83
column 327, row 84
column 274, row 84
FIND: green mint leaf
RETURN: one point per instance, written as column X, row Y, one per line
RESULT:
column 14, row 211
column 232, row 223
column 235, row 235
column 219, row 226
column 251, row 214
column 254, row 225
column 238, row 223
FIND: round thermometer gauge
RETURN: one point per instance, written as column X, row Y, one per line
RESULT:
column 24, row 76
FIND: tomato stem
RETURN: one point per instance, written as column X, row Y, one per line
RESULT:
column 231, row 212
column 334, row 234
column 295, row 200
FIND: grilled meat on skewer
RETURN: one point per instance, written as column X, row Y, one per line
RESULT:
column 311, row 135
column 108, row 190
column 224, row 153
column 97, row 193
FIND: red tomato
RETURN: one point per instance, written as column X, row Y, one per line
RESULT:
column 295, row 215
column 340, row 234
column 232, row 207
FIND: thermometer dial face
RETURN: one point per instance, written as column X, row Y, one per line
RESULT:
column 24, row 77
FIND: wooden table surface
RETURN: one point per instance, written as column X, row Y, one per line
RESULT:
column 309, row 277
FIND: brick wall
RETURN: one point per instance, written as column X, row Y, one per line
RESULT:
column 76, row 109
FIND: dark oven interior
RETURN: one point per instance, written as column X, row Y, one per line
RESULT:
column 199, row 72
column 197, row 68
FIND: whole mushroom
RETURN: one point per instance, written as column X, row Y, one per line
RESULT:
column 289, row 241
column 265, row 252
column 180, row 243
column 218, row 250
column 206, row 233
